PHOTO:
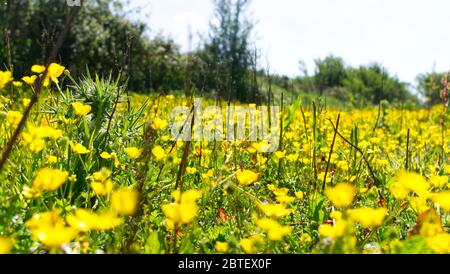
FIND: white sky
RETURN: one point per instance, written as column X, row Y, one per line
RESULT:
column 406, row 36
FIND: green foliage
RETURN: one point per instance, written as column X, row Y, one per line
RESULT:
column 103, row 41
column 226, row 59
column 100, row 39
column 374, row 84
column 330, row 73
column 429, row 86
column 362, row 86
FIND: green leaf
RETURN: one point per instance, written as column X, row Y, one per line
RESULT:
column 153, row 244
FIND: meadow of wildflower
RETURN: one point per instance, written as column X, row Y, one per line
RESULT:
column 96, row 169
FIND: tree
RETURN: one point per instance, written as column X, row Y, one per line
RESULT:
column 361, row 86
column 101, row 39
column 330, row 72
column 373, row 84
column 429, row 86
column 228, row 55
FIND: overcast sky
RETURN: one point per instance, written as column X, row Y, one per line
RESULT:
column 406, row 36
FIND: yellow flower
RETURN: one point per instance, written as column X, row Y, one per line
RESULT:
column 5, row 78
column 208, row 174
column 67, row 121
column 34, row 136
column 133, row 152
column 50, row 179
column 17, row 84
column 275, row 231
column 418, row 204
column 187, row 197
column 278, row 191
column 341, row 195
column 261, row 146
column 116, row 161
column 102, row 188
column 52, row 132
column 362, row 190
column 321, row 175
column 191, row 170
column 5, row 245
column 407, row 182
column 30, row 193
column 54, row 71
column 166, row 138
column 38, row 68
column 442, row 199
column 50, row 229
column 279, row 154
column 79, row 148
column 249, row 244
column 429, row 224
column 51, row 159
column 85, row 220
column 105, row 155
column 281, row 194
column 333, row 231
column 292, row 157
column 305, row 238
column 398, row 191
column 26, row 102
column 222, row 247
column 368, row 216
column 447, row 168
column 284, row 199
column 29, row 80
column 80, row 109
column 158, row 152
column 101, row 184
column 184, row 209
column 439, row 243
column 13, row 117
column 247, row 177
column 159, row 124
column 431, row 228
column 274, row 210
column 125, row 201
column 300, row 195
column 438, row 181
column 101, row 175
column 336, row 215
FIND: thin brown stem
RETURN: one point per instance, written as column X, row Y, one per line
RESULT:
column 6, row 33
column 331, row 152
column 378, row 118
column 35, row 98
column 359, row 150
column 184, row 160
column 407, row 151
column 108, row 128
column 280, row 145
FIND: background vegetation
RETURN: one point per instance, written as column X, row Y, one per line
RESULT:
column 89, row 167
column 225, row 65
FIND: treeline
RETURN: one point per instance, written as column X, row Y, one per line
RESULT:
column 360, row 86
column 101, row 39
column 104, row 41
column 432, row 87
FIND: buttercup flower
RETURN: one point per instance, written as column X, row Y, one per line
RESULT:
column 247, row 177
column 29, row 80
column 80, row 109
column 341, row 195
column 5, row 78
column 133, row 152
